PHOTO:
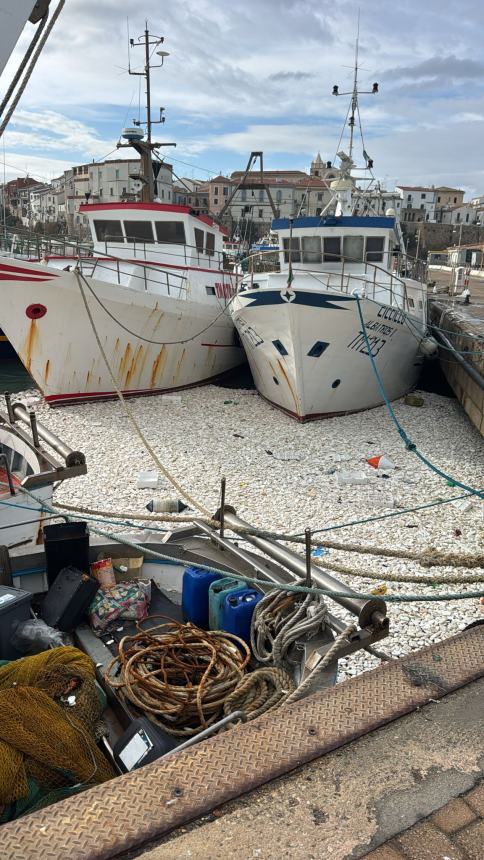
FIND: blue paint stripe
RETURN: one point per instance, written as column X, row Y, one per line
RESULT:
column 302, row 297
column 331, row 221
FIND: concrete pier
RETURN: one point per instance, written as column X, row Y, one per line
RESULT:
column 462, row 325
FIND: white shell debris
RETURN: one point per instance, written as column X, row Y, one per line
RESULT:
column 202, row 439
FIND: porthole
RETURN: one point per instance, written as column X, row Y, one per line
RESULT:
column 276, row 380
column 336, row 383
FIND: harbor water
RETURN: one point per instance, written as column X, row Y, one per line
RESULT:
column 14, row 377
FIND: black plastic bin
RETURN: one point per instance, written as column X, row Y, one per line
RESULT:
column 14, row 607
column 66, row 545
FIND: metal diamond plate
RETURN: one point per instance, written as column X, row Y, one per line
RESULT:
column 122, row 815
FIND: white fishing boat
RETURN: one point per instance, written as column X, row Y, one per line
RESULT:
column 28, row 472
column 143, row 311
column 338, row 301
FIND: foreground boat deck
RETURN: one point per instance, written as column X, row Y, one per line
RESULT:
column 347, row 802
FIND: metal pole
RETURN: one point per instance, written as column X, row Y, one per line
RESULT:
column 3, row 458
column 8, row 403
column 34, row 428
column 222, row 506
column 369, row 612
column 307, row 535
column 147, row 75
column 71, row 457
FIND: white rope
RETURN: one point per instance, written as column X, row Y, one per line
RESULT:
column 279, row 620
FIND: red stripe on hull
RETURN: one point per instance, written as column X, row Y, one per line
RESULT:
column 6, row 267
column 316, row 416
column 86, row 397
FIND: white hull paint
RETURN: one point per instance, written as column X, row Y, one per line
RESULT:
column 20, row 515
column 341, row 378
column 194, row 339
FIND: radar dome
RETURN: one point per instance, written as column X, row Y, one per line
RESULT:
column 135, row 133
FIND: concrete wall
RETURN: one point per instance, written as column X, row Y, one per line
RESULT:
column 436, row 237
column 468, row 392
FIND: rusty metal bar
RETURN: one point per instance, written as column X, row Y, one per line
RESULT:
column 4, row 459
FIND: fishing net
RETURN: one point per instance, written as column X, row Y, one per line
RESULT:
column 48, row 747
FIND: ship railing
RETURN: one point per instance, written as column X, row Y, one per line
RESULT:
column 139, row 275
column 188, row 255
column 33, row 245
column 371, row 277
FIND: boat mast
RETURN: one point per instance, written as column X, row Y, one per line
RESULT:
column 145, row 148
column 354, row 96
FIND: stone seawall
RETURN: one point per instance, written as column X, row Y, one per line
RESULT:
column 461, row 325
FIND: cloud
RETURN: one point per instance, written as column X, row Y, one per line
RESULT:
column 444, row 68
column 290, row 76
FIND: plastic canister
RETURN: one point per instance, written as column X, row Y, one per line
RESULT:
column 217, row 593
column 237, row 612
column 196, row 583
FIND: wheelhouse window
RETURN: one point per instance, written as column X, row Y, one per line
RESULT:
column 210, row 244
column 108, row 231
column 199, row 240
column 292, row 251
column 139, row 231
column 353, row 248
column 172, row 232
column 332, row 249
column 374, row 248
column 311, row 249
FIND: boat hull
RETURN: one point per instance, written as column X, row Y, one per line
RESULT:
column 153, row 343
column 309, row 357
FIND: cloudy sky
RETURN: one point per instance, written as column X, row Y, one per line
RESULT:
column 258, row 74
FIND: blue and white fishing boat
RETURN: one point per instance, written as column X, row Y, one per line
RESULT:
column 301, row 324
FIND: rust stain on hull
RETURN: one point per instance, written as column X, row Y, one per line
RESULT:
column 30, row 344
column 133, row 366
column 158, row 366
column 127, row 356
column 179, row 364
column 46, row 370
column 281, row 368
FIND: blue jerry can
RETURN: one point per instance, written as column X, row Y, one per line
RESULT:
column 237, row 612
column 196, row 583
column 217, row 593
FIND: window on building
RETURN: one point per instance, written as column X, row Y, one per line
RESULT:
column 320, row 196
column 409, row 196
column 467, row 217
column 243, row 195
column 455, row 199
column 295, row 253
column 332, row 249
column 261, row 195
column 85, row 168
column 215, row 201
column 353, row 248
column 422, row 205
column 226, row 191
column 199, row 240
column 311, row 249
column 261, row 213
column 215, row 190
column 172, row 232
column 139, row 231
column 108, row 231
column 278, row 196
column 438, row 199
column 111, row 192
column 458, row 217
column 124, row 190
column 374, row 248
column 116, row 174
column 162, row 193
column 423, row 196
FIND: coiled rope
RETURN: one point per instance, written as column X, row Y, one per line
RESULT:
column 178, row 674
column 280, row 619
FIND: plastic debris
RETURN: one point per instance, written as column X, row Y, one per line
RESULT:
column 379, row 589
column 351, row 478
column 171, row 400
column 319, row 551
column 413, row 400
column 34, row 636
column 227, row 402
column 380, row 462
column 463, row 505
column 166, row 506
column 148, row 480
